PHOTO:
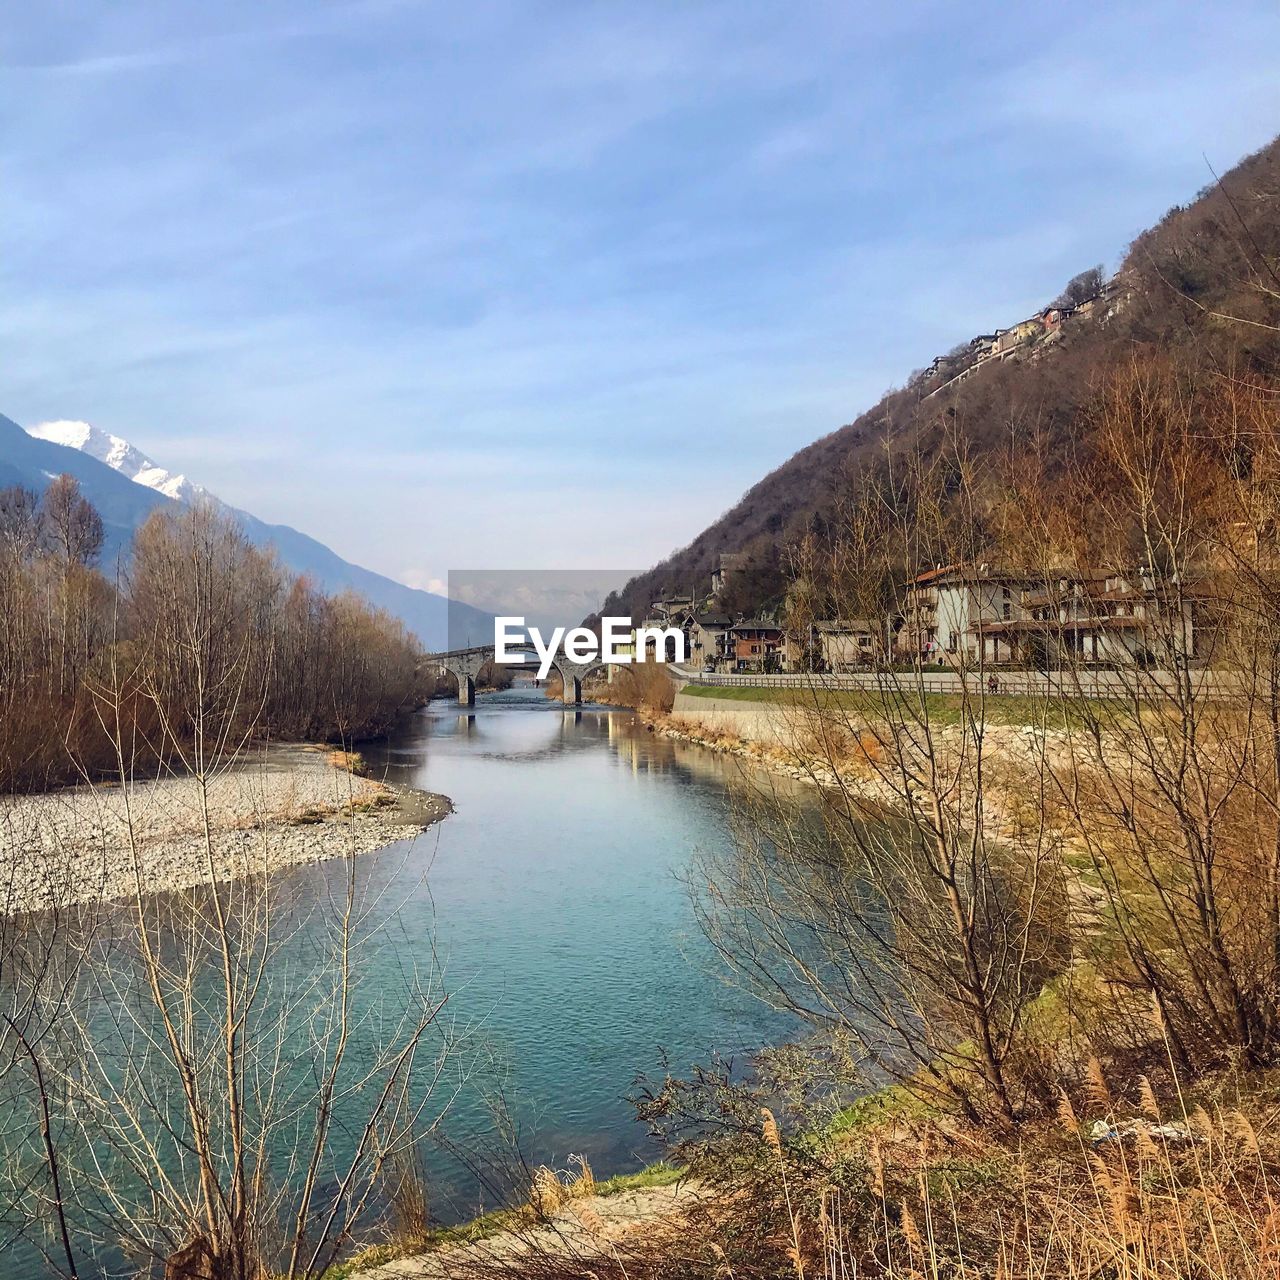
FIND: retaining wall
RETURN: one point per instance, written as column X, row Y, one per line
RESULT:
column 750, row 721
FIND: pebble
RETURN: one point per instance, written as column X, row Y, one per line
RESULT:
column 284, row 807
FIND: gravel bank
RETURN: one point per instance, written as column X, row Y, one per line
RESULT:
column 278, row 807
column 603, row 1230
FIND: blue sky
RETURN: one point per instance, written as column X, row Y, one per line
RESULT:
column 550, row 284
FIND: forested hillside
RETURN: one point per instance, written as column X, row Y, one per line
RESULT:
column 207, row 638
column 1199, row 285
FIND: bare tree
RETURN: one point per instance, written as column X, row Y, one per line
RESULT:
column 905, row 914
column 1170, row 783
column 20, row 521
column 239, row 1109
column 71, row 527
column 1082, row 286
column 221, row 1092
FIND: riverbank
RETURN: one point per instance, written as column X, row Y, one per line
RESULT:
column 274, row 807
column 842, row 745
column 587, row 1223
column 1130, row 1156
column 828, row 746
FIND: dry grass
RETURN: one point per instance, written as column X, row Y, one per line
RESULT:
column 1184, row 1188
column 551, row 1189
column 1181, row 1189
column 349, row 761
column 644, row 686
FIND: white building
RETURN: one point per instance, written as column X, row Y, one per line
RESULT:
column 1112, row 618
column 950, row 612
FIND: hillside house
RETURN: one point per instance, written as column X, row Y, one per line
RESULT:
column 1004, row 342
column 1054, row 317
column 1013, row 338
column 755, row 645
column 948, row 611
column 729, row 564
column 669, row 610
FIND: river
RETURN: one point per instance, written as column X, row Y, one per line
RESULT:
column 555, row 897
column 551, row 908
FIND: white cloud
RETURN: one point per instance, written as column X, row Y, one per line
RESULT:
column 467, row 278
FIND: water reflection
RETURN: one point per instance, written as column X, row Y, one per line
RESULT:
column 559, row 913
column 550, row 908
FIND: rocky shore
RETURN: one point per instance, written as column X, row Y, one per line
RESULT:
column 276, row 807
column 1016, row 756
column 581, row 1237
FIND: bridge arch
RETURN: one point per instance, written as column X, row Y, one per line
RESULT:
column 572, row 674
column 464, row 665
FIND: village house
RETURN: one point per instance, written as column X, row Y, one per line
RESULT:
column 1055, row 620
column 626, row 651
column 799, row 651
column 947, row 611
column 918, row 635
column 802, row 649
column 707, row 643
column 1116, row 618
column 665, row 615
column 850, row 644
column 755, row 646
column 707, row 639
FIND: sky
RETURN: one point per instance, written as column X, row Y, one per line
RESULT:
column 550, row 285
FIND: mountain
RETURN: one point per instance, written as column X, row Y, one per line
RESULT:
column 1202, row 282
column 126, row 487
column 120, row 456
column 122, row 504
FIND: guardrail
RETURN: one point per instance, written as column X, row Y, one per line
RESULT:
column 1072, row 684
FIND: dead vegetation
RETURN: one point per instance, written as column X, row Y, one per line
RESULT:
column 1039, row 964
column 77, row 650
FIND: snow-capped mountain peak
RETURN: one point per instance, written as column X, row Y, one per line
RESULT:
column 127, row 487
column 120, row 456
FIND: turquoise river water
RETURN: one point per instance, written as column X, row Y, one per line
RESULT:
column 560, row 916
column 551, row 908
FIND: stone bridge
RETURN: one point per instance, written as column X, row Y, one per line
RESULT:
column 464, row 665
